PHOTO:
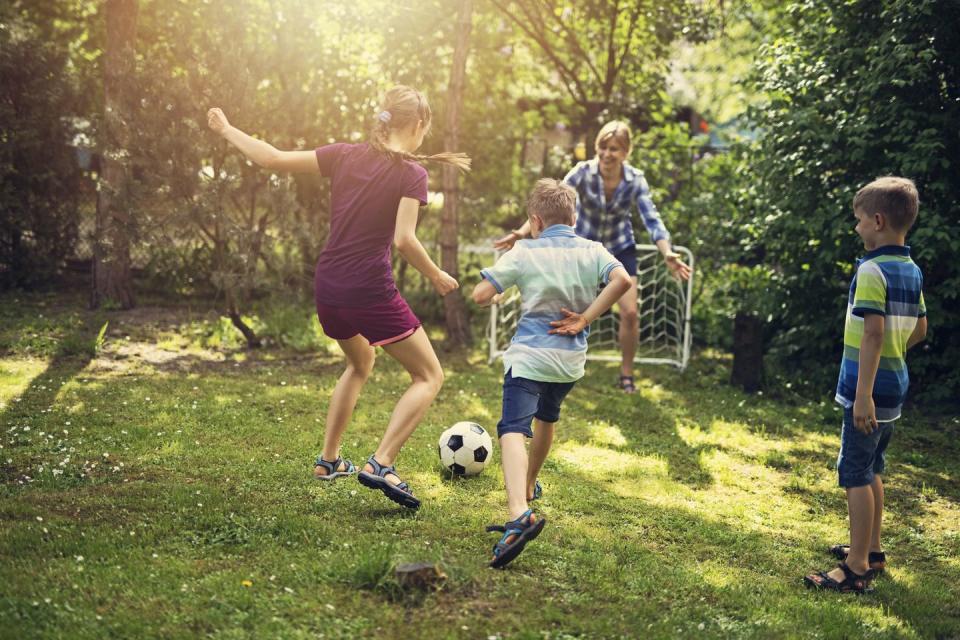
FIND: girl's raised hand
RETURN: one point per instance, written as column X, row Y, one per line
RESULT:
column 217, row 121
column 444, row 283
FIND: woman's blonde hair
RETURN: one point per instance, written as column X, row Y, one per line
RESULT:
column 401, row 108
column 619, row 131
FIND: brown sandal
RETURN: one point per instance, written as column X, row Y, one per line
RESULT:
column 626, row 384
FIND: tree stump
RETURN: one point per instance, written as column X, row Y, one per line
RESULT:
column 747, row 352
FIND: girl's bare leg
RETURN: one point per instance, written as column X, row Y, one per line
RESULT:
column 360, row 358
column 629, row 328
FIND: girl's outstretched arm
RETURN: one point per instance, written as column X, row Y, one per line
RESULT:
column 405, row 239
column 260, row 152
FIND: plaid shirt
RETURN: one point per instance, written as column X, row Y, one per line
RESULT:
column 610, row 223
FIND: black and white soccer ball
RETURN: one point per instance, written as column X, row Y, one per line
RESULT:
column 465, row 449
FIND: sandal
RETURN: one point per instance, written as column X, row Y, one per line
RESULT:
column 333, row 468
column 626, row 384
column 516, row 534
column 877, row 559
column 851, row 583
column 399, row 493
column 537, row 491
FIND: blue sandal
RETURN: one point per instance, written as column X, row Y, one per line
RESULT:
column 537, row 491
column 522, row 530
column 333, row 468
column 399, row 493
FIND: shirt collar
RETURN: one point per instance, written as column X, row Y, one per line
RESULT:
column 887, row 250
column 558, row 231
column 629, row 173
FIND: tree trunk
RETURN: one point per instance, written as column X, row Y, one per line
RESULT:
column 112, row 279
column 747, row 352
column 455, row 308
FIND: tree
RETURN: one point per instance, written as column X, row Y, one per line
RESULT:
column 856, row 90
column 604, row 52
column 112, row 278
column 455, row 309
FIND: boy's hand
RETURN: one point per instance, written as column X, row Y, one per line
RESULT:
column 444, row 283
column 217, row 121
column 572, row 324
column 678, row 268
column 865, row 415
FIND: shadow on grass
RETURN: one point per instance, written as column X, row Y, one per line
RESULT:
column 72, row 355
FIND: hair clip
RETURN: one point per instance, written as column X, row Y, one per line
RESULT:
column 384, row 116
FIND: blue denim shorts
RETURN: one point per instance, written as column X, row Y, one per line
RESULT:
column 628, row 258
column 524, row 400
column 861, row 456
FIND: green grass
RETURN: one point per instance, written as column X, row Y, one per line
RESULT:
column 159, row 485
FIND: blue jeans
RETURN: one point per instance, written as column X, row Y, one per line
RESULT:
column 862, row 456
column 524, row 400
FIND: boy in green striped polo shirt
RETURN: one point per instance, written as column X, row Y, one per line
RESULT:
column 886, row 315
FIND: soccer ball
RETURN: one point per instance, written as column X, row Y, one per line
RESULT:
column 465, row 448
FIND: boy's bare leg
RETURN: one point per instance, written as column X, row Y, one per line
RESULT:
column 629, row 328
column 539, row 448
column 877, row 486
column 513, row 458
column 418, row 358
column 860, row 503
column 360, row 358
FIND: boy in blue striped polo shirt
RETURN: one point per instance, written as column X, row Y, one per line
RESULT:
column 558, row 274
column 886, row 315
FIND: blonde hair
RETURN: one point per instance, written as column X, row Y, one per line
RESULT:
column 619, row 131
column 401, row 108
column 554, row 201
column 894, row 197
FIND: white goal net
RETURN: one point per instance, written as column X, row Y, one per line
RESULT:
column 663, row 306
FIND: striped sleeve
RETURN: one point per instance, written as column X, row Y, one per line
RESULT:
column 870, row 296
column 505, row 273
column 923, row 307
column 648, row 212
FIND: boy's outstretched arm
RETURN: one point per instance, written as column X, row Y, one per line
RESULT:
column 484, row 293
column 919, row 332
column 864, row 411
column 573, row 323
column 260, row 152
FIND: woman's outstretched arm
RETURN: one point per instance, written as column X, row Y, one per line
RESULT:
column 260, row 152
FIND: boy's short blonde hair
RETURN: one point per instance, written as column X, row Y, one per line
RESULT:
column 554, row 201
column 894, row 197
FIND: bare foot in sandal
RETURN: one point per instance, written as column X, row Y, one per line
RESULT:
column 331, row 469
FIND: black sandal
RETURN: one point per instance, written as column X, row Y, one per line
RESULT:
column 399, row 493
column 626, row 384
column 333, row 468
column 877, row 559
column 522, row 530
column 852, row 582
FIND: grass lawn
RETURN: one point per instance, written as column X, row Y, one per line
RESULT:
column 160, row 486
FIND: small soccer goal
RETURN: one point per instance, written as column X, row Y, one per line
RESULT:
column 663, row 306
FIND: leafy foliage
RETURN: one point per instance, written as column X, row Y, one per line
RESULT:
column 858, row 90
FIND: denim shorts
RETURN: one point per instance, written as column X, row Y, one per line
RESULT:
column 862, row 456
column 524, row 400
column 628, row 258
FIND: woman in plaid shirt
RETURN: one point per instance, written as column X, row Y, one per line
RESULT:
column 608, row 188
